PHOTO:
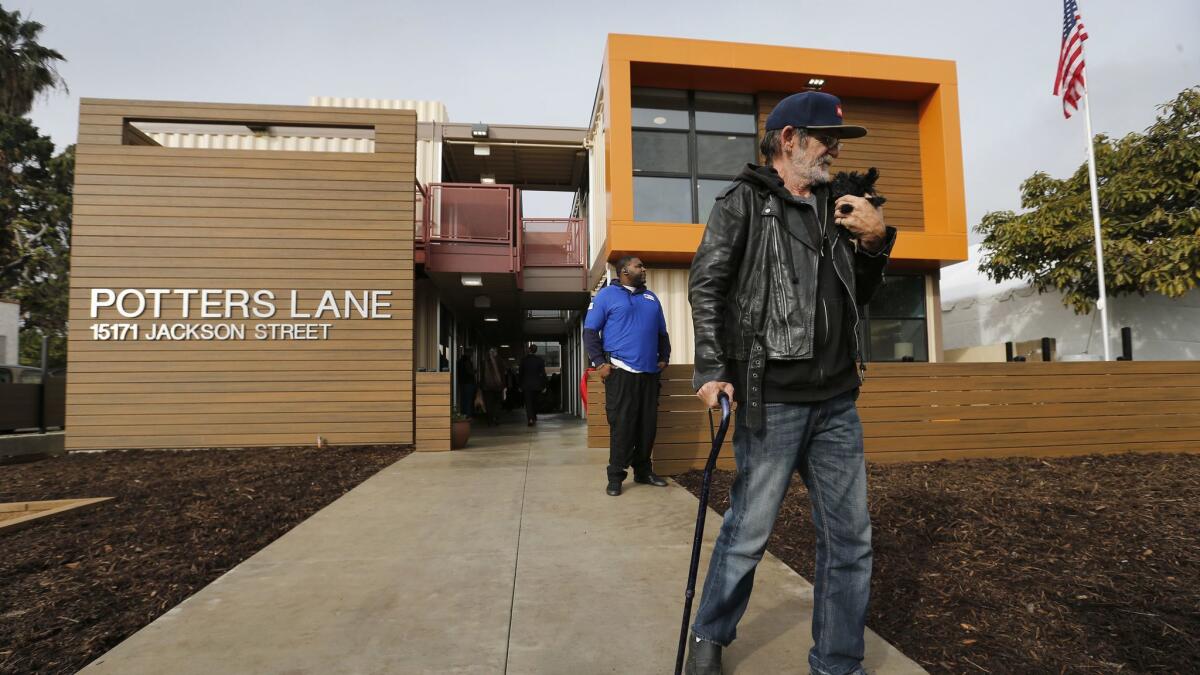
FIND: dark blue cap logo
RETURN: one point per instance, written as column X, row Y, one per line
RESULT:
column 813, row 110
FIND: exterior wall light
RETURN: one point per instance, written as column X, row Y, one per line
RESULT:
column 488, row 178
column 479, row 130
column 483, row 150
column 491, row 318
column 815, row 84
column 472, row 280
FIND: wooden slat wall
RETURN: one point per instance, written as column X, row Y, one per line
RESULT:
column 148, row 216
column 929, row 411
column 891, row 146
column 932, row 411
column 433, row 412
column 683, row 439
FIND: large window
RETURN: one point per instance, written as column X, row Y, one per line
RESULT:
column 894, row 328
column 687, row 145
column 551, row 353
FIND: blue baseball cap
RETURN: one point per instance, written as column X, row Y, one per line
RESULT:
column 813, row 110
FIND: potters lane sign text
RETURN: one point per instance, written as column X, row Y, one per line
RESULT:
column 207, row 304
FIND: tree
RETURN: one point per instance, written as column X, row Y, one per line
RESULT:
column 35, row 234
column 1149, row 190
column 35, row 192
column 27, row 69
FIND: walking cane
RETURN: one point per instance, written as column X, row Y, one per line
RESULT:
column 718, row 439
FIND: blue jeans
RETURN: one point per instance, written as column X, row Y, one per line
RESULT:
column 823, row 441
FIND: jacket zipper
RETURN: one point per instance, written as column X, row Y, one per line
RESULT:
column 776, row 241
column 862, row 367
column 825, row 311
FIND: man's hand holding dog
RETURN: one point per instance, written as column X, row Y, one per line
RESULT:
column 865, row 222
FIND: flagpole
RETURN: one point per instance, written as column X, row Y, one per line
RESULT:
column 1101, row 303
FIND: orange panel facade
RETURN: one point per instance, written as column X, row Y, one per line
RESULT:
column 912, row 102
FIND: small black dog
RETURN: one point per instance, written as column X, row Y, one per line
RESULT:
column 857, row 184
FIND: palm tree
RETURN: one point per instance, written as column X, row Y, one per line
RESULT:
column 26, row 67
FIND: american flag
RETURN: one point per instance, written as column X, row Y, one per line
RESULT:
column 1070, row 59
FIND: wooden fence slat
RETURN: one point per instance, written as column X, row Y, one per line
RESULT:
column 1069, row 451
column 1022, row 396
column 1040, row 382
column 921, row 412
column 1032, row 440
column 1115, row 423
column 432, row 416
column 939, row 370
column 998, row 412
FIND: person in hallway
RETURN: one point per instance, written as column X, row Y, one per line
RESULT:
column 775, row 288
column 625, row 333
column 465, row 377
column 493, row 385
column 553, row 392
column 533, row 381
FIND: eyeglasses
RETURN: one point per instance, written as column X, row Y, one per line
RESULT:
column 827, row 140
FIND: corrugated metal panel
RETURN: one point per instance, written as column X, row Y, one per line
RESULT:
column 261, row 142
column 429, row 153
column 597, row 190
column 671, row 287
column 427, row 111
column 597, row 201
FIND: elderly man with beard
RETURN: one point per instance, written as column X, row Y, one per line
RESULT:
column 775, row 288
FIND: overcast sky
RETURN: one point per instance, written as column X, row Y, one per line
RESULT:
column 538, row 62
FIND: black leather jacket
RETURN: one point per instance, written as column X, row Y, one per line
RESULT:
column 753, row 285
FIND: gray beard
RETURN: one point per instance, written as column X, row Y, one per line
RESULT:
column 819, row 174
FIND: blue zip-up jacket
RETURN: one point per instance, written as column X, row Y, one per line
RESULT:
column 628, row 326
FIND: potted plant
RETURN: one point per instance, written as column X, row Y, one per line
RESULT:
column 460, row 429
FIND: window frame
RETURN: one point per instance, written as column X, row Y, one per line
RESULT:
column 865, row 318
column 693, row 176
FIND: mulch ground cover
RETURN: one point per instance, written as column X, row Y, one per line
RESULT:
column 1080, row 565
column 72, row 586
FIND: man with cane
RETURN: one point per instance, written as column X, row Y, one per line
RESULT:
column 775, row 288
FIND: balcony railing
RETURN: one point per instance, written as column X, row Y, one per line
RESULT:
column 553, row 242
column 470, row 213
column 468, row 227
column 420, row 199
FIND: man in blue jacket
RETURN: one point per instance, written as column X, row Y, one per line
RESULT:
column 625, row 333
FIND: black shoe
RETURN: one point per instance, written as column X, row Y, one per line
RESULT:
column 704, row 657
column 650, row 479
column 614, row 488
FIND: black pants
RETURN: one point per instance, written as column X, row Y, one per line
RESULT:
column 531, row 404
column 466, row 398
column 631, row 401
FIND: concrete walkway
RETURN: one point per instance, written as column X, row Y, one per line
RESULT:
column 504, row 558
